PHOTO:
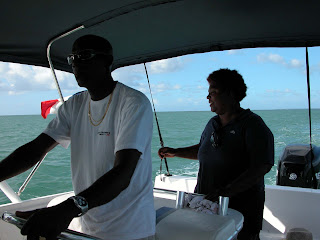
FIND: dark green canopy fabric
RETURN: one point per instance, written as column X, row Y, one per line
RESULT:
column 142, row 31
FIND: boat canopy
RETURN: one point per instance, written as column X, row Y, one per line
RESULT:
column 148, row 30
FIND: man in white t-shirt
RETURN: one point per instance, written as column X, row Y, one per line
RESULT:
column 109, row 128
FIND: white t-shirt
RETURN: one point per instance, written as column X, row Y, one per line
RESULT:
column 127, row 125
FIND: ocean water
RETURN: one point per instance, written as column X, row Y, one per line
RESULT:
column 178, row 129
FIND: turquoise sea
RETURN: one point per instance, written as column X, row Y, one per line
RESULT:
column 178, row 129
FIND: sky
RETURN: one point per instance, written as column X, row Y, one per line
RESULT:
column 275, row 77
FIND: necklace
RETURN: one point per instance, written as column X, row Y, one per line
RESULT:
column 95, row 122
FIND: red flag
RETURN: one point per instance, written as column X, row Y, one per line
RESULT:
column 46, row 106
column 51, row 106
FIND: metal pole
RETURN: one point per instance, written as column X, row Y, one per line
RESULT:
column 49, row 57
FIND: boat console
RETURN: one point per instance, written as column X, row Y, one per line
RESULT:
column 187, row 224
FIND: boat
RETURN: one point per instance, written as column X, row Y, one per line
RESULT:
column 41, row 33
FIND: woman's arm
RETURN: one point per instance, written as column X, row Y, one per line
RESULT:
column 186, row 152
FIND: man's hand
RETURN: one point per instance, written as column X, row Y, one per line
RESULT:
column 47, row 222
column 166, row 152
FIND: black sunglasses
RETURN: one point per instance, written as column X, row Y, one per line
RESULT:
column 215, row 139
column 84, row 55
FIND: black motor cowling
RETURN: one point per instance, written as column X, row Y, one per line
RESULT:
column 294, row 166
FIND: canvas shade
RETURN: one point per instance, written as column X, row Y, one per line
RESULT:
column 142, row 31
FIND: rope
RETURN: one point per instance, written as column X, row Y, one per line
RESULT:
column 314, row 181
column 155, row 114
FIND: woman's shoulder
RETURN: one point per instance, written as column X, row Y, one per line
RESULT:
column 248, row 116
column 254, row 122
column 214, row 121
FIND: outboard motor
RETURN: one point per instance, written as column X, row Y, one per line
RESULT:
column 294, row 166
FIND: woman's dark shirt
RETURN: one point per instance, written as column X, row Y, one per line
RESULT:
column 243, row 143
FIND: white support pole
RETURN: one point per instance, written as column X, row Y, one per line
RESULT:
column 49, row 57
column 8, row 191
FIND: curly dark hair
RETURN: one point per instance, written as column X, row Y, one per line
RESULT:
column 229, row 80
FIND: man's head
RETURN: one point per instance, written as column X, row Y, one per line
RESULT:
column 90, row 46
column 91, row 59
column 228, row 80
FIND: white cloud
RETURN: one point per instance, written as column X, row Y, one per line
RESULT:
column 136, row 72
column 166, row 65
column 42, row 75
column 18, row 70
column 3, row 66
column 15, row 93
column 295, row 63
column 135, row 77
column 278, row 59
column 130, row 75
column 18, row 79
column 274, row 58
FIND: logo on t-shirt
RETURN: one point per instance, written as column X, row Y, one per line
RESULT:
column 104, row 133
